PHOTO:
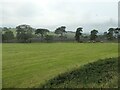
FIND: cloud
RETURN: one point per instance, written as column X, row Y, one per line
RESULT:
column 54, row 13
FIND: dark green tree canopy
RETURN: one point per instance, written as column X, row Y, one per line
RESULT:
column 8, row 35
column 41, row 31
column 117, row 32
column 93, row 35
column 24, row 32
column 5, row 29
column 78, row 34
column 24, row 29
column 110, row 34
column 60, row 30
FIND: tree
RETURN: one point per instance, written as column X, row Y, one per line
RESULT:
column 5, row 29
column 93, row 35
column 78, row 34
column 49, row 38
column 117, row 32
column 41, row 32
column 24, row 32
column 8, row 35
column 60, row 30
column 110, row 34
column 105, row 35
column 3, row 38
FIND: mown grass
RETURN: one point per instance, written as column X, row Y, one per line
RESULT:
column 100, row 74
column 0, row 66
column 29, row 65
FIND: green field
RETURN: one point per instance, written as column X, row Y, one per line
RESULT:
column 30, row 65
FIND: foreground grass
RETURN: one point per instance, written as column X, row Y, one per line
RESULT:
column 100, row 74
column 0, row 65
column 29, row 65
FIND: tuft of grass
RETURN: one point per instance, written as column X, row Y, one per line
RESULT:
column 99, row 74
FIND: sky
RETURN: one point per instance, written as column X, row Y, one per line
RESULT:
column 50, row 14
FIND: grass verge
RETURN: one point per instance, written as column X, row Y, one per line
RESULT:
column 99, row 74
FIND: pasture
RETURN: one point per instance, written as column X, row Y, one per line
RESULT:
column 30, row 65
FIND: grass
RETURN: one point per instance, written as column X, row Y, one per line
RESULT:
column 30, row 65
column 0, row 66
column 100, row 74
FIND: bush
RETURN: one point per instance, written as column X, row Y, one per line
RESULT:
column 100, row 74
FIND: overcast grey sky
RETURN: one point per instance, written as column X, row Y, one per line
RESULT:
column 50, row 14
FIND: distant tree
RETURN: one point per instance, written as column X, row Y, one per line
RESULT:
column 105, row 35
column 117, row 32
column 42, row 32
column 24, row 32
column 93, row 35
column 60, row 30
column 49, row 38
column 5, row 29
column 78, row 34
column 3, row 38
column 110, row 34
column 8, row 35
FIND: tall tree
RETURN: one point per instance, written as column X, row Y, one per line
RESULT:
column 60, row 30
column 7, row 35
column 78, row 34
column 41, row 32
column 117, row 32
column 110, row 34
column 93, row 35
column 24, row 32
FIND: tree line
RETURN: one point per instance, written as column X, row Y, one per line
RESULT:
column 24, row 33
